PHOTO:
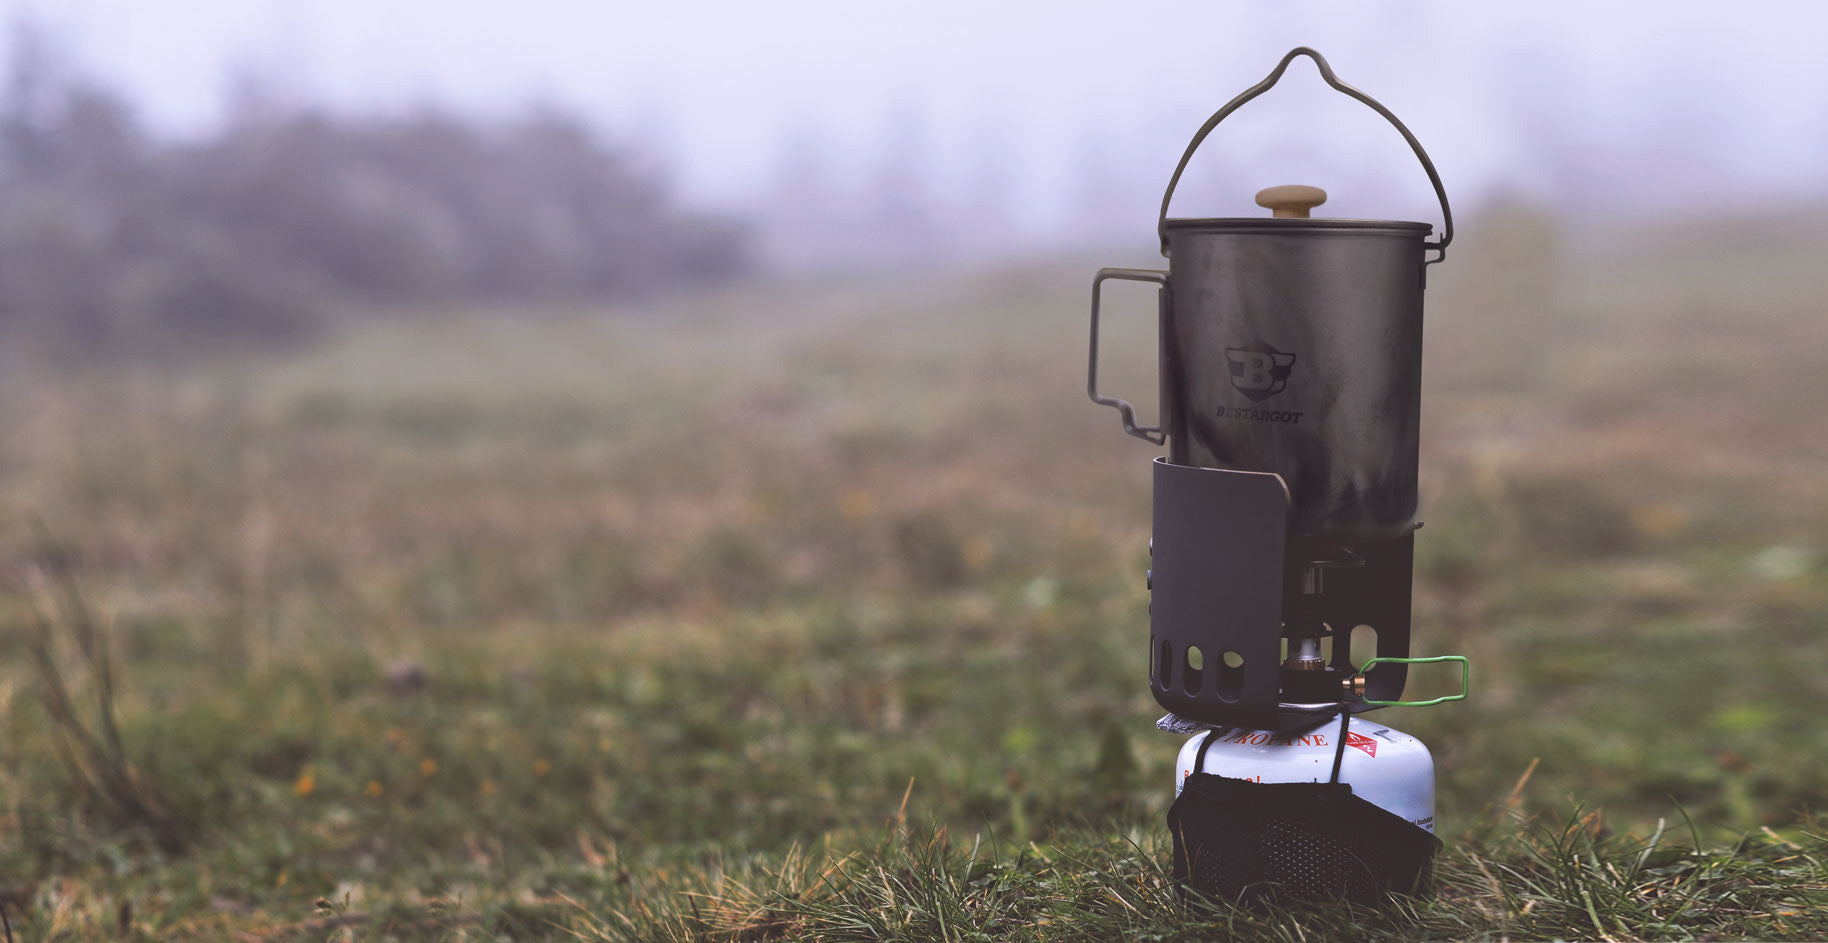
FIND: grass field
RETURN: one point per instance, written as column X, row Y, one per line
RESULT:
column 818, row 612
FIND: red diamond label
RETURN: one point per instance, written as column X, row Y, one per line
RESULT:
column 1361, row 742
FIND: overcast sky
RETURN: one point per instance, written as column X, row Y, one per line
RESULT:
column 1722, row 102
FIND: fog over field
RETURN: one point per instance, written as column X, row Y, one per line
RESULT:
column 857, row 133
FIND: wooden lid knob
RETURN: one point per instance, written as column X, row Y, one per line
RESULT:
column 1291, row 201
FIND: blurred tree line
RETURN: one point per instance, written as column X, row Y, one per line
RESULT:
column 110, row 236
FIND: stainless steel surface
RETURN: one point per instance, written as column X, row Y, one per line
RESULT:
column 1326, row 72
column 1294, row 347
column 1153, row 434
column 1306, row 655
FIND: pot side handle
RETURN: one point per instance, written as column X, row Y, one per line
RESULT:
column 1152, row 434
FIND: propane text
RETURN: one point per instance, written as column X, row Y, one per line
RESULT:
column 1259, row 738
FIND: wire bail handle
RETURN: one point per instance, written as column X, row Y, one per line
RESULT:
column 1326, row 72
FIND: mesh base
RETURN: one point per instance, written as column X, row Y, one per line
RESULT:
column 1242, row 841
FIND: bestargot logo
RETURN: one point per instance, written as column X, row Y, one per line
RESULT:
column 1258, row 370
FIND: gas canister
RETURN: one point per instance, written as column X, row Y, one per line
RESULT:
column 1384, row 766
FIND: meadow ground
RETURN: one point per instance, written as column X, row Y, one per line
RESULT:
column 818, row 612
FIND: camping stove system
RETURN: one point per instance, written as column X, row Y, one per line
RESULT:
column 1290, row 400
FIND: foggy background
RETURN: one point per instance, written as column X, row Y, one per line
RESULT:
column 236, row 164
column 549, row 468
